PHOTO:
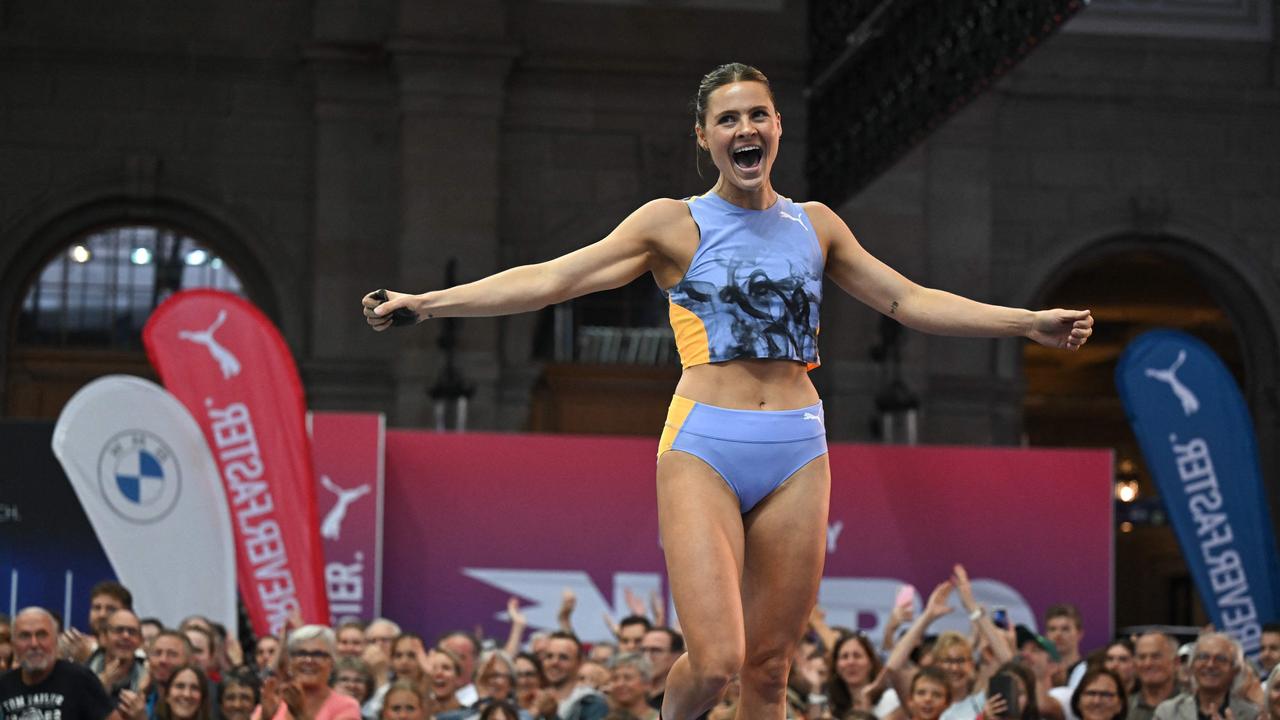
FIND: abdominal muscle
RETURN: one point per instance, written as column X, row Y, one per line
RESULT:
column 749, row 385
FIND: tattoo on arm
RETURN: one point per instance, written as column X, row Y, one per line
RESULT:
column 893, row 308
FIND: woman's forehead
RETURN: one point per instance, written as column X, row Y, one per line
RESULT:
column 739, row 96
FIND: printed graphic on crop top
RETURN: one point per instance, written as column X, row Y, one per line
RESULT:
column 753, row 288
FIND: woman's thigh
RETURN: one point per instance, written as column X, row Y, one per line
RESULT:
column 702, row 538
column 785, row 547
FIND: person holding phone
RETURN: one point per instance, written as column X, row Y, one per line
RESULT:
column 1011, row 694
column 743, row 480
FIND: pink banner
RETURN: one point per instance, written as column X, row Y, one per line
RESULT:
column 347, row 449
column 475, row 518
column 228, row 364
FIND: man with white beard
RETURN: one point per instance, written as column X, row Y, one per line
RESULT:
column 44, row 686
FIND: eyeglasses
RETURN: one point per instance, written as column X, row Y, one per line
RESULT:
column 309, row 655
column 1099, row 695
column 527, row 674
column 1214, row 659
column 558, row 656
column 125, row 630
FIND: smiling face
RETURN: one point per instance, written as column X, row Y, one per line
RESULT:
column 1213, row 664
column 527, row 677
column 444, row 675
column 741, row 130
column 1100, row 699
column 186, row 692
column 852, row 663
column 237, row 701
column 928, row 699
column 311, row 663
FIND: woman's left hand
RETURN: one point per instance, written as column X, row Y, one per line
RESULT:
column 1057, row 328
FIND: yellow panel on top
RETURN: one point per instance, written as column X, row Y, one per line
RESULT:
column 691, row 336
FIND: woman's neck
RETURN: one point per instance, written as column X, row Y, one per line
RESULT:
column 761, row 198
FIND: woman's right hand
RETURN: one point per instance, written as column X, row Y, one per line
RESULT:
column 996, row 707
column 270, row 697
column 386, row 308
column 937, row 605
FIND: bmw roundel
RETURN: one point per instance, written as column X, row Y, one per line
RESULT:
column 139, row 476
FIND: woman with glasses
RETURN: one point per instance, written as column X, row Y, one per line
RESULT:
column 1100, row 695
column 530, row 682
column 301, row 687
column 352, row 677
column 496, row 677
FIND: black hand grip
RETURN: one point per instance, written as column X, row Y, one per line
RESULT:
column 400, row 316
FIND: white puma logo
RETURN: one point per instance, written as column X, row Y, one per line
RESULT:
column 331, row 528
column 833, row 534
column 811, row 416
column 227, row 362
column 1190, row 404
column 789, row 216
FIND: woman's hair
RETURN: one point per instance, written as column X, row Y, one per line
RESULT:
column 932, row 674
column 838, row 692
column 1030, row 710
column 356, row 665
column 163, row 711
column 1092, row 674
column 453, row 658
column 313, row 632
column 499, row 706
column 537, row 665
column 948, row 640
column 634, row 660
column 726, row 74
column 405, row 686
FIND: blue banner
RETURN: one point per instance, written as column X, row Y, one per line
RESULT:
column 1197, row 438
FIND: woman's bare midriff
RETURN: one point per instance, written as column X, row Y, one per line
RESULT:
column 749, row 385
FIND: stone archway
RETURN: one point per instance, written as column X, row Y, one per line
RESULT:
column 1134, row 283
column 36, row 382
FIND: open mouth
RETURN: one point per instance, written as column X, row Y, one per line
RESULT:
column 748, row 157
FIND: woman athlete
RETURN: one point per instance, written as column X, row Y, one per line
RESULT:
column 743, row 480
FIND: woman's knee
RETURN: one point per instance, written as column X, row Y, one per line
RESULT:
column 767, row 670
column 716, row 668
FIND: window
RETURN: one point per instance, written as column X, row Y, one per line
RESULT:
column 99, row 291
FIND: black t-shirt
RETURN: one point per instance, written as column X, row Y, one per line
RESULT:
column 70, row 692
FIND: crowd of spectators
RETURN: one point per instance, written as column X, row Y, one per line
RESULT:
column 132, row 668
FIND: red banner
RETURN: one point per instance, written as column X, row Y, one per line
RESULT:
column 478, row 518
column 348, row 450
column 227, row 363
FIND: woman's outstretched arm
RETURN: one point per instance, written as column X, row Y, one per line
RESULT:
column 936, row 311
column 622, row 256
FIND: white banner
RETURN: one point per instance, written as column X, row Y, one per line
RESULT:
column 144, row 475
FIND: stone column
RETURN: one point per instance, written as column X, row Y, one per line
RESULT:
column 451, row 63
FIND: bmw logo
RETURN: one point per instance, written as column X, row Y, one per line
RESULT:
column 139, row 476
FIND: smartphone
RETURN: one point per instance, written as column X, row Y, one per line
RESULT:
column 1000, row 616
column 906, row 596
column 1004, row 685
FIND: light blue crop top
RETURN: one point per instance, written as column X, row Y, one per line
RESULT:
column 753, row 287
